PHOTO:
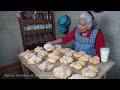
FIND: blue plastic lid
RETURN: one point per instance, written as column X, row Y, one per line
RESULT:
column 62, row 20
column 62, row 30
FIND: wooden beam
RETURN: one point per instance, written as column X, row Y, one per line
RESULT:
column 10, row 68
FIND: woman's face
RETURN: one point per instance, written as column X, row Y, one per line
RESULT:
column 82, row 25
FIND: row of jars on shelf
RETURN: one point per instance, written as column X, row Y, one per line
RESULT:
column 37, row 37
column 38, row 26
column 35, row 15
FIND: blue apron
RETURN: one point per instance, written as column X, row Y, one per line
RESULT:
column 86, row 44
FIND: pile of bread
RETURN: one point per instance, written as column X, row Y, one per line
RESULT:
column 47, row 56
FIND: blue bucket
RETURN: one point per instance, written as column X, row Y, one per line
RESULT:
column 64, row 22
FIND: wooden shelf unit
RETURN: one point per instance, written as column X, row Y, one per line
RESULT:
column 33, row 38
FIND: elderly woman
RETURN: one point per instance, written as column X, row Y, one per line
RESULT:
column 87, row 38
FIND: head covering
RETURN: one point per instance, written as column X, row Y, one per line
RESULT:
column 94, row 18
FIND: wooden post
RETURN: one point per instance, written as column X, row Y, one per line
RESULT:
column 25, row 71
column 104, row 76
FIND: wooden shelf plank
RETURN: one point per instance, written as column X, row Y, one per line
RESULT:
column 37, row 21
column 40, row 41
column 32, row 32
